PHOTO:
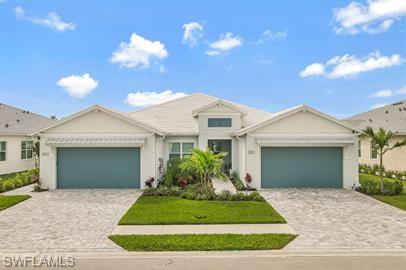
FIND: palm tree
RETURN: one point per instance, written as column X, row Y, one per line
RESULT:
column 205, row 164
column 35, row 150
column 381, row 141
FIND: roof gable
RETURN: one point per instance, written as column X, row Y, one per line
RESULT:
column 219, row 103
column 290, row 112
column 111, row 113
column 176, row 118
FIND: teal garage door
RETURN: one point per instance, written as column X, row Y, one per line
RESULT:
column 98, row 167
column 301, row 167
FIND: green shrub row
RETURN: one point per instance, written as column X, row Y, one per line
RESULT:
column 370, row 185
column 374, row 170
column 19, row 180
column 194, row 194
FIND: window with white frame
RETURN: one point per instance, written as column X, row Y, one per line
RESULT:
column 178, row 150
column 3, row 149
column 374, row 150
column 26, row 149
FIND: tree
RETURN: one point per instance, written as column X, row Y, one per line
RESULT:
column 35, row 150
column 381, row 140
column 205, row 164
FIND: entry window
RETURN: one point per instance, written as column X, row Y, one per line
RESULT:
column 359, row 148
column 219, row 122
column 374, row 150
column 26, row 149
column 2, row 151
column 178, row 150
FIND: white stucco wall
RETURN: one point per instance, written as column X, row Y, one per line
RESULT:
column 220, row 133
column 97, row 124
column 13, row 162
column 301, row 124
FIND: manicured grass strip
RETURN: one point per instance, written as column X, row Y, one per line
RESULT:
column 203, row 242
column 162, row 210
column 8, row 201
column 398, row 201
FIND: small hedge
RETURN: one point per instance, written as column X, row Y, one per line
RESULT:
column 371, row 185
column 18, row 180
column 194, row 194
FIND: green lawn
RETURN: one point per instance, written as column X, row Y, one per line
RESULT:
column 151, row 210
column 8, row 201
column 203, row 242
column 398, row 201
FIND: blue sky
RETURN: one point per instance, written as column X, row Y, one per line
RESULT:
column 59, row 57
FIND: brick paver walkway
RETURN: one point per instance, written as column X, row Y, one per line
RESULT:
column 339, row 219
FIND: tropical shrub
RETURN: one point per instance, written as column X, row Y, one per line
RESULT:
column 173, row 172
column 369, row 185
column 236, row 180
column 381, row 139
column 10, row 185
column 205, row 164
column 149, row 182
column 2, row 187
column 248, row 180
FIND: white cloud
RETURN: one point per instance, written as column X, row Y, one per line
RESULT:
column 139, row 52
column 373, row 17
column 225, row 43
column 349, row 65
column 376, row 106
column 193, row 31
column 269, row 35
column 146, row 98
column 383, row 93
column 78, row 86
column 52, row 20
column 315, row 69
column 389, row 92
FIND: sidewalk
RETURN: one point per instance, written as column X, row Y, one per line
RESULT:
column 203, row 229
column 220, row 185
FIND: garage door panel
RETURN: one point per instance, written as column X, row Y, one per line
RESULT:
column 98, row 167
column 283, row 167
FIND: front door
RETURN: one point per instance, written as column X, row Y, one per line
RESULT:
column 222, row 146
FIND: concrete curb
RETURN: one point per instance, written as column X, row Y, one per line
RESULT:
column 203, row 229
column 218, row 254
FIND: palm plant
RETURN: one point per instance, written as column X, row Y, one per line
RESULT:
column 35, row 150
column 205, row 164
column 381, row 141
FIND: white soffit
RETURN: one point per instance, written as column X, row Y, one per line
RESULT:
column 305, row 140
column 94, row 140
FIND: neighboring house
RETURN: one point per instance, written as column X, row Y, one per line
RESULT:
column 102, row 148
column 391, row 117
column 16, row 142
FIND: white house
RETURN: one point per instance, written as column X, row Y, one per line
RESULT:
column 102, row 148
column 16, row 143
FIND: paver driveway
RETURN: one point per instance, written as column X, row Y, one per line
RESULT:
column 339, row 219
column 68, row 220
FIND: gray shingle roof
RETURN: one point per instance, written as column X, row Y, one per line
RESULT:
column 14, row 121
column 391, row 117
column 175, row 117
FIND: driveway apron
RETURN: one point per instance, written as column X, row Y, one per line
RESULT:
column 339, row 219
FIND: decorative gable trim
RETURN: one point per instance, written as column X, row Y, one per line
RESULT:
column 219, row 102
column 289, row 112
column 108, row 111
